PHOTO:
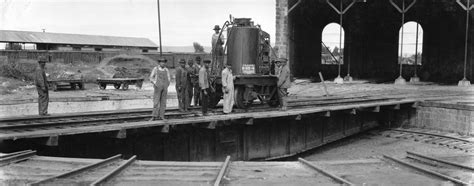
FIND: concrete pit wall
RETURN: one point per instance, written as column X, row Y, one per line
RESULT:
column 243, row 140
column 457, row 118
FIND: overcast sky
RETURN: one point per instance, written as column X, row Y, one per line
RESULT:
column 182, row 21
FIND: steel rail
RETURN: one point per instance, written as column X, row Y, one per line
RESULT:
column 431, row 134
column 222, row 171
column 416, row 156
column 78, row 170
column 319, row 169
column 17, row 157
column 14, row 153
column 430, row 172
column 75, row 119
column 114, row 172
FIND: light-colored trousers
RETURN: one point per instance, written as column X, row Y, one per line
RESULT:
column 228, row 100
column 159, row 101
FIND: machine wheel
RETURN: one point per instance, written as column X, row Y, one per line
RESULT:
column 73, row 86
column 117, row 86
column 81, row 86
column 240, row 98
column 102, row 86
column 125, row 86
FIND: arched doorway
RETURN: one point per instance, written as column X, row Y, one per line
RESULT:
column 410, row 49
column 332, row 45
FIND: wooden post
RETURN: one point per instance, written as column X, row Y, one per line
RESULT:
column 324, row 84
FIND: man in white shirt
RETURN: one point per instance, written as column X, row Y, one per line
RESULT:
column 160, row 78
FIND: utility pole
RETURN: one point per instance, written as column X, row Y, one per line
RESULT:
column 400, row 80
column 341, row 11
column 464, row 81
column 159, row 26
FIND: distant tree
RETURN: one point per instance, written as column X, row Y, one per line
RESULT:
column 335, row 51
column 198, row 48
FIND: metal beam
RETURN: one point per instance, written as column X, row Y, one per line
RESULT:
column 16, row 158
column 114, row 172
column 319, row 169
column 442, row 176
column 78, row 170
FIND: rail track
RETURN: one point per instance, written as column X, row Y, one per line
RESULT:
column 432, row 138
column 137, row 115
column 115, row 170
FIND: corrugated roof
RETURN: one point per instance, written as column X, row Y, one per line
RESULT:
column 79, row 39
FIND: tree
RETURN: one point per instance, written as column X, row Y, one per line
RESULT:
column 335, row 52
column 198, row 48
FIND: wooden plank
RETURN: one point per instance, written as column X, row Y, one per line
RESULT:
column 222, row 171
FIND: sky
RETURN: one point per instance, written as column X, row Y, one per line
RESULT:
column 182, row 21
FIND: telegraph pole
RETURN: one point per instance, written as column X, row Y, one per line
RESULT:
column 159, row 26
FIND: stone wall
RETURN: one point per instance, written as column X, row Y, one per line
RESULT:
column 445, row 117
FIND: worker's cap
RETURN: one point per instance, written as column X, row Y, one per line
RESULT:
column 162, row 60
column 198, row 58
column 217, row 27
column 281, row 60
column 207, row 61
column 190, row 61
column 182, row 61
column 42, row 59
column 228, row 64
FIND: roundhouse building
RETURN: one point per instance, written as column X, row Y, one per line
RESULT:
column 17, row 40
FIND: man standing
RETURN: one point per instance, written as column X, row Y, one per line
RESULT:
column 160, row 78
column 204, row 85
column 192, row 78
column 228, row 88
column 284, row 82
column 197, row 89
column 217, row 48
column 42, row 87
column 182, row 86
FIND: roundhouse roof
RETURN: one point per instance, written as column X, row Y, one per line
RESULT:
column 78, row 39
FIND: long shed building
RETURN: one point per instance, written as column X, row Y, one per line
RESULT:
column 74, row 42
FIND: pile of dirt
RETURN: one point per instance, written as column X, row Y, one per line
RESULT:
column 132, row 66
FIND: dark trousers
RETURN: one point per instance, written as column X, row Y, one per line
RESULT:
column 197, row 95
column 204, row 100
column 183, row 98
column 43, row 100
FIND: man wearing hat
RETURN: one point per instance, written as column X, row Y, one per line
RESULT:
column 284, row 82
column 160, row 78
column 42, row 87
column 182, row 86
column 204, row 85
column 217, row 48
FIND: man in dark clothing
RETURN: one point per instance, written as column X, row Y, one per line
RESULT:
column 182, row 86
column 204, row 85
column 192, row 79
column 284, row 82
column 42, row 87
column 197, row 89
